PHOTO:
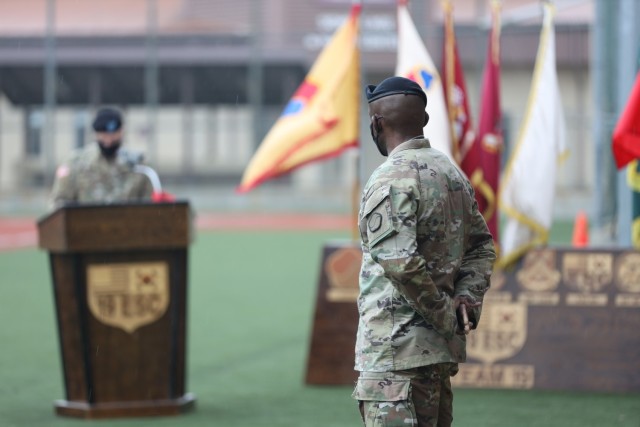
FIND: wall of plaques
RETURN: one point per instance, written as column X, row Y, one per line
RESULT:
column 562, row 319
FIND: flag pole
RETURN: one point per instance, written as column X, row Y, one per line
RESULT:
column 496, row 29
column 449, row 38
column 359, row 160
column 496, row 6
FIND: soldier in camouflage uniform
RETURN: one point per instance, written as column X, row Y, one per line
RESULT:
column 104, row 172
column 427, row 261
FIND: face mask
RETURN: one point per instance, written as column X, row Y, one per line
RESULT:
column 376, row 140
column 110, row 151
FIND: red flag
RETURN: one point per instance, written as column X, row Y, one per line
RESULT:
column 456, row 93
column 488, row 144
column 626, row 136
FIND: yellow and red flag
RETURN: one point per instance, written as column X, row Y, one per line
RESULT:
column 322, row 118
column 487, row 148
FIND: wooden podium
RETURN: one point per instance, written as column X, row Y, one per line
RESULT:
column 120, row 284
column 335, row 323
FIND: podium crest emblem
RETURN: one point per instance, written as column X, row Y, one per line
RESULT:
column 128, row 295
column 501, row 334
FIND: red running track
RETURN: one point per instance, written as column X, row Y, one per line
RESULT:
column 18, row 233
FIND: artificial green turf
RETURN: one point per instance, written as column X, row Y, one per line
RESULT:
column 251, row 297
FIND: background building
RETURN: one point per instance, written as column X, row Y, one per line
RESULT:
column 201, row 82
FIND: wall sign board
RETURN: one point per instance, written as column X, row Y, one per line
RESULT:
column 561, row 319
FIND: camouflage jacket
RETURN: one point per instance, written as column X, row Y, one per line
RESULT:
column 90, row 178
column 423, row 243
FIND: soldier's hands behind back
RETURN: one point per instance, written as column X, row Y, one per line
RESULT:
column 461, row 304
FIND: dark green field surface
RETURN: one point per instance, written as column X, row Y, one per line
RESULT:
column 251, row 301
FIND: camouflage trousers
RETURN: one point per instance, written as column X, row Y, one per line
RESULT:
column 420, row 397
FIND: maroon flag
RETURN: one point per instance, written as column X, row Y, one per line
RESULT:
column 455, row 93
column 488, row 144
column 626, row 136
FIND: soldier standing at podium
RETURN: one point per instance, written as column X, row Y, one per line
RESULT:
column 103, row 172
column 426, row 264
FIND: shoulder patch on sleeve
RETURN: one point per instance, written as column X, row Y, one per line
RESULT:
column 377, row 215
column 62, row 171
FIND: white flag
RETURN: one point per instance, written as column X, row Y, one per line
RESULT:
column 415, row 63
column 528, row 185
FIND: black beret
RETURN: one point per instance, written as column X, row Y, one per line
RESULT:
column 107, row 120
column 395, row 86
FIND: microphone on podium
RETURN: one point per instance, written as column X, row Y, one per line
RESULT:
column 158, row 195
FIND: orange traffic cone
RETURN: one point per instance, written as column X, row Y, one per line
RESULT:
column 581, row 231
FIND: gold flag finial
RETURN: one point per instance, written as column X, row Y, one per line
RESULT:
column 496, row 6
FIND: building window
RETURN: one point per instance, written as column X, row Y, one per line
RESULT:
column 33, row 143
column 80, row 128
